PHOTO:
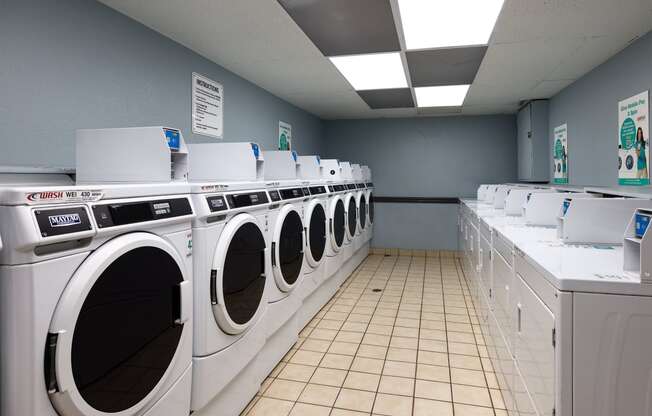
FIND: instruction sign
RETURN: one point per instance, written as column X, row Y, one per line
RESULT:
column 633, row 140
column 284, row 136
column 207, row 107
column 560, row 154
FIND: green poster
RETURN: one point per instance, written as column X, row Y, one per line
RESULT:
column 633, row 140
column 284, row 136
column 560, row 154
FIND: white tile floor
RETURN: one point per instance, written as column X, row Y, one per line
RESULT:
column 400, row 338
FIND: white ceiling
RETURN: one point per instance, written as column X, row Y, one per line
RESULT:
column 538, row 47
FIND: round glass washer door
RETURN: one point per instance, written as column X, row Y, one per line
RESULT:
column 337, row 223
column 117, row 328
column 287, row 248
column 371, row 207
column 351, row 217
column 238, row 274
column 316, row 233
column 362, row 207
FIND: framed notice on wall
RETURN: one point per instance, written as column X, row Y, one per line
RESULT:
column 207, row 107
column 560, row 154
column 284, row 136
column 633, row 140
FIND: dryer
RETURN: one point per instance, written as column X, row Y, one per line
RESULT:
column 98, row 280
column 232, row 277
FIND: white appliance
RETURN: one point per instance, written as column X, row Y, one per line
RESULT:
column 351, row 207
column 232, row 277
column 315, row 220
column 287, row 247
column 336, row 216
column 97, row 281
column 367, row 178
column 361, row 203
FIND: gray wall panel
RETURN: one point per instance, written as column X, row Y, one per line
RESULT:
column 73, row 64
column 590, row 107
column 436, row 156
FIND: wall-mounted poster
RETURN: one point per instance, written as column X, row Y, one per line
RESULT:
column 207, row 107
column 284, row 136
column 560, row 154
column 633, row 140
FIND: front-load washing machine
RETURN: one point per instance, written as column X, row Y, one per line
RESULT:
column 336, row 216
column 369, row 230
column 351, row 207
column 287, row 248
column 96, row 292
column 361, row 206
column 315, row 220
column 232, row 280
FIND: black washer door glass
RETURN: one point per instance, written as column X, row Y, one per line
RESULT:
column 243, row 281
column 371, row 208
column 338, row 223
column 317, row 232
column 363, row 212
column 353, row 219
column 126, row 336
column 290, row 247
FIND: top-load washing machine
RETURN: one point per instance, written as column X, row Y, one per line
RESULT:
column 232, row 279
column 369, row 193
column 287, row 248
column 96, row 289
column 336, row 216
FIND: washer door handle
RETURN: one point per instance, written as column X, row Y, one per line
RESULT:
column 185, row 302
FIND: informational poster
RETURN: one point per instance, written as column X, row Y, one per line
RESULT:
column 633, row 140
column 284, row 136
column 560, row 154
column 207, row 107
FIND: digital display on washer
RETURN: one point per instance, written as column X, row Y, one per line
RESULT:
column 361, row 186
column 291, row 193
column 216, row 203
column 110, row 215
column 317, row 190
column 339, row 188
column 351, row 186
column 274, row 195
column 370, row 185
column 247, row 199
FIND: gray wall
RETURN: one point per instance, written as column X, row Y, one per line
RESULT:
column 73, row 64
column 436, row 157
column 590, row 107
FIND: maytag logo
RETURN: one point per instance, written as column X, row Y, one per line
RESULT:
column 64, row 220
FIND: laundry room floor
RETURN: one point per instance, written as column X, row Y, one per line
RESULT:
column 400, row 338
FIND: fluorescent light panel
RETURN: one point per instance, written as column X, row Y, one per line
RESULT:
column 442, row 96
column 372, row 71
column 445, row 23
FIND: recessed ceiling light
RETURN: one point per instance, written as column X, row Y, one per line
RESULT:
column 444, row 23
column 372, row 71
column 441, row 96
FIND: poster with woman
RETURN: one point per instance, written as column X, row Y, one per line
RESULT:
column 633, row 140
column 560, row 154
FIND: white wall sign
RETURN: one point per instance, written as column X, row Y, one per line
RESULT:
column 207, row 106
column 284, row 136
column 560, row 154
column 633, row 140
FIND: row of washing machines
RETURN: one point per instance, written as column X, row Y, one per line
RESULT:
column 167, row 278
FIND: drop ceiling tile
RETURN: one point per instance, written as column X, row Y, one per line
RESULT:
column 345, row 27
column 389, row 98
column 548, row 88
column 447, row 66
column 438, row 111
